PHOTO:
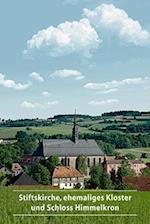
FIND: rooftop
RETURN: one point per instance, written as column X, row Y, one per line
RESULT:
column 23, row 179
column 66, row 147
column 64, row 172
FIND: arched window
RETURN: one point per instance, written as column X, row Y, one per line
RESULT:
column 88, row 162
column 68, row 162
column 63, row 161
column 94, row 161
column 100, row 161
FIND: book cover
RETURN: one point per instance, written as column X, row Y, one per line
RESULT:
column 75, row 112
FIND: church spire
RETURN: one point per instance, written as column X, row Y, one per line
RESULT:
column 75, row 130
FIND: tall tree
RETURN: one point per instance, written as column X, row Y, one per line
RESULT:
column 146, row 172
column 105, row 181
column 81, row 164
column 41, row 174
column 27, row 143
column 96, row 173
column 125, row 169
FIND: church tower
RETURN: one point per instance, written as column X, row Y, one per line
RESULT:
column 75, row 130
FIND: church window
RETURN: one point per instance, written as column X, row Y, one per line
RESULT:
column 94, row 161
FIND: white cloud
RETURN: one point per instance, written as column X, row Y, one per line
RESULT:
column 117, row 20
column 116, row 84
column 80, row 77
column 66, row 38
column 37, row 77
column 103, row 102
column 31, row 105
column 65, row 73
column 56, row 102
column 12, row 84
column 108, row 91
column 46, row 93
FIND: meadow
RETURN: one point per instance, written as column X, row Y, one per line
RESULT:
column 64, row 129
column 9, row 205
column 137, row 152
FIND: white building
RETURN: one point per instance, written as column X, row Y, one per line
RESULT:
column 16, row 169
column 67, row 177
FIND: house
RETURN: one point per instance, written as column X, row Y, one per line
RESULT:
column 4, row 171
column 139, row 183
column 16, row 169
column 69, row 149
column 26, row 160
column 67, row 177
column 136, row 165
column 22, row 179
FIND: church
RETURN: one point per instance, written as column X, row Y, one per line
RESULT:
column 69, row 149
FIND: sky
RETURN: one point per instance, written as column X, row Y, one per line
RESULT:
column 55, row 56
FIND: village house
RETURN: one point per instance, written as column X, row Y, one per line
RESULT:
column 16, row 169
column 136, row 165
column 67, row 177
column 69, row 149
column 22, row 179
column 4, row 171
column 26, row 160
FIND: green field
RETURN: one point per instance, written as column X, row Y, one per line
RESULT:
column 137, row 152
column 64, row 129
column 9, row 204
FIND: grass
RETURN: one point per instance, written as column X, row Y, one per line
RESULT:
column 10, row 132
column 137, row 152
column 10, row 204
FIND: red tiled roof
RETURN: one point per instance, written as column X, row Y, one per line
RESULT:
column 140, row 183
column 63, row 171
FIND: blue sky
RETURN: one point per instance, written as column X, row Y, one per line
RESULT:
column 59, row 55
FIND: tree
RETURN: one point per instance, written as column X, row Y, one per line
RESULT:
column 77, row 186
column 21, row 135
column 9, row 154
column 81, row 164
column 27, row 143
column 125, row 169
column 113, row 176
column 41, row 174
column 146, row 172
column 107, row 148
column 130, row 156
column 96, row 173
column 105, row 182
column 116, row 179
column 52, row 162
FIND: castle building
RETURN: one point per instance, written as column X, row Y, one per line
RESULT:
column 69, row 149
